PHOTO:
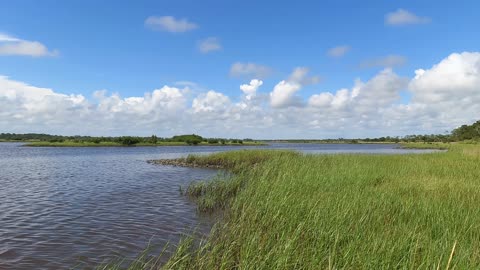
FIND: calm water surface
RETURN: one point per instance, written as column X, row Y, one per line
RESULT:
column 63, row 208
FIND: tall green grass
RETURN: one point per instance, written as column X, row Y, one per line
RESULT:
column 292, row 211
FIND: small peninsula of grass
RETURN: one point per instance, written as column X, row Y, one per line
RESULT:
column 285, row 210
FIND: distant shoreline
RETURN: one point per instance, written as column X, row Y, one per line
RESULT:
column 113, row 144
column 247, row 143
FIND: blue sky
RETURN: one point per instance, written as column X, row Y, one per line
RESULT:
column 96, row 45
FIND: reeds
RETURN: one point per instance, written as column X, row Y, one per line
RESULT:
column 284, row 210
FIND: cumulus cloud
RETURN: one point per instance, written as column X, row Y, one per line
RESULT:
column 249, row 70
column 450, row 89
column 209, row 45
column 170, row 99
column 388, row 61
column 284, row 93
column 14, row 46
column 169, row 24
column 364, row 97
column 41, row 109
column 250, row 90
column 210, row 102
column 404, row 17
column 443, row 97
column 338, row 51
column 454, row 78
column 300, row 76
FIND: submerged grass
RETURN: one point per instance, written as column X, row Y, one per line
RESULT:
column 348, row 211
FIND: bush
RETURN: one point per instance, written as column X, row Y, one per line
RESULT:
column 193, row 141
column 129, row 141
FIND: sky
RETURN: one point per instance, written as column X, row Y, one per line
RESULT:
column 240, row 69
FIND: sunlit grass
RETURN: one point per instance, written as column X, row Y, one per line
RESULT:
column 346, row 211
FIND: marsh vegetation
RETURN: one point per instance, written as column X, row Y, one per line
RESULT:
column 46, row 140
column 285, row 210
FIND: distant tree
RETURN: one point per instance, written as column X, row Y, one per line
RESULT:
column 128, row 140
column 467, row 132
column 193, row 141
column 187, row 138
column 153, row 139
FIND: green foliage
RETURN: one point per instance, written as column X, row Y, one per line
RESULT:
column 467, row 132
column 341, row 212
column 212, row 141
column 88, row 141
column 463, row 133
column 55, row 140
column 154, row 139
column 186, row 138
column 128, row 140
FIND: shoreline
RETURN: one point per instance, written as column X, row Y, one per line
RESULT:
column 50, row 144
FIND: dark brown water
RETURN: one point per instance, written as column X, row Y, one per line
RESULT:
column 63, row 208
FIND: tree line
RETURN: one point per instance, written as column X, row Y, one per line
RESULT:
column 192, row 139
column 462, row 133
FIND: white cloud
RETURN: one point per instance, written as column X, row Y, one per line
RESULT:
column 299, row 75
column 250, row 70
column 169, row 24
column 442, row 97
column 210, row 102
column 284, row 93
column 450, row 90
column 14, row 46
column 7, row 38
column 338, row 51
column 388, row 61
column 404, row 17
column 380, row 91
column 169, row 99
column 250, row 90
column 453, row 79
column 43, row 110
column 209, row 45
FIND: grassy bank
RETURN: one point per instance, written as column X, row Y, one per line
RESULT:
column 116, row 144
column 421, row 145
column 291, row 211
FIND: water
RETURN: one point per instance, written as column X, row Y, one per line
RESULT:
column 62, row 208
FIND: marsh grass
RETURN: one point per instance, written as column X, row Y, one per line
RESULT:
column 142, row 262
column 215, row 194
column 347, row 211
